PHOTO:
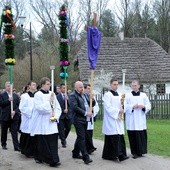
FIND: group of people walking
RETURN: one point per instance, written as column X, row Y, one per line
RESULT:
column 46, row 116
column 39, row 133
column 135, row 105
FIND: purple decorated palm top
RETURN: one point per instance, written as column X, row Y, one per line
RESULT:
column 93, row 45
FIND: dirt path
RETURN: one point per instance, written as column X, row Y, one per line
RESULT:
column 10, row 160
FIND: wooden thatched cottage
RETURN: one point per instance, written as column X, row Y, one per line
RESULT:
column 142, row 58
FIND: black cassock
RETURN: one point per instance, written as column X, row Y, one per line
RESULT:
column 27, row 144
column 114, row 147
column 138, row 142
column 46, row 148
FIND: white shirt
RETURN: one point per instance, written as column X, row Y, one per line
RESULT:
column 90, row 125
column 86, row 106
column 136, row 118
column 63, row 96
column 42, row 112
column 112, row 124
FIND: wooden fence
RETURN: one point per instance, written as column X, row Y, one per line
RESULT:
column 160, row 106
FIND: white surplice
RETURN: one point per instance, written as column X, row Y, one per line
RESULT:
column 41, row 124
column 112, row 125
column 26, row 107
column 90, row 125
column 136, row 118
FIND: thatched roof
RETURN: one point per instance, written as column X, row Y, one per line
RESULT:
column 143, row 59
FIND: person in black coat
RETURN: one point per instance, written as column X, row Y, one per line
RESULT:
column 89, row 133
column 0, row 107
column 65, row 120
column 80, row 108
column 8, row 119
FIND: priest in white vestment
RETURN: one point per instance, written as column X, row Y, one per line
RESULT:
column 113, row 125
column 136, row 105
column 44, row 130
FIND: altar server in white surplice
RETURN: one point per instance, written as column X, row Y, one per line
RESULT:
column 45, row 132
column 113, row 125
column 136, row 105
column 26, row 107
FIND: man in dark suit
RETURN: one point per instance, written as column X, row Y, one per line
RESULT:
column 9, row 119
column 80, row 108
column 65, row 120
column 0, row 107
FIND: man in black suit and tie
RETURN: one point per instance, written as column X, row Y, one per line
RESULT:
column 82, row 114
column 65, row 120
column 8, row 119
column 0, row 107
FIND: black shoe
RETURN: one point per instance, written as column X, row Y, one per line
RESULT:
column 123, row 157
column 114, row 159
column 91, row 150
column 87, row 161
column 111, row 159
column 135, row 156
column 77, row 156
column 140, row 155
column 4, row 148
column 64, row 146
column 55, row 164
column 17, row 149
column 38, row 161
column 30, row 156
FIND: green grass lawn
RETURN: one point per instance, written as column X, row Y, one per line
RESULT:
column 158, row 136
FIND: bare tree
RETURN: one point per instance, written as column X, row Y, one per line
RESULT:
column 126, row 14
column 88, row 7
column 101, row 6
column 86, row 10
column 162, row 14
column 46, row 13
column 146, row 19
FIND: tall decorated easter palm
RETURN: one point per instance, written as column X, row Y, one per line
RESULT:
column 7, row 27
column 64, row 47
column 93, row 45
